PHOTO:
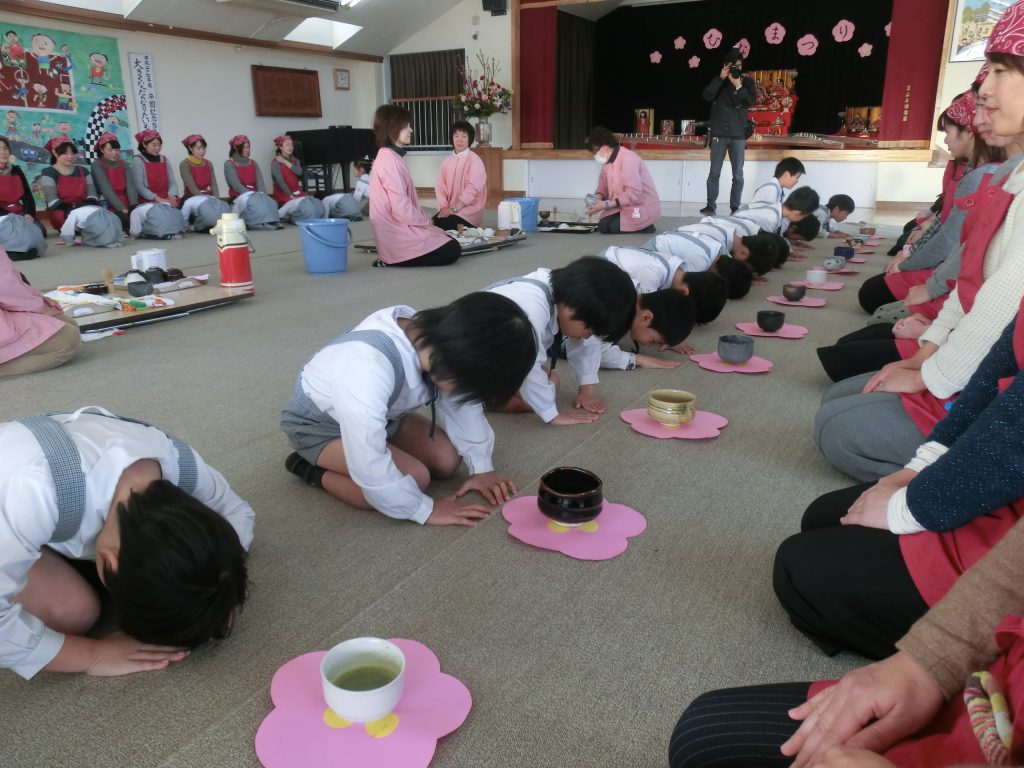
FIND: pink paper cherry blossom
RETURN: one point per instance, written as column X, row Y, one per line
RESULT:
column 744, row 46
column 843, row 31
column 301, row 730
column 705, row 425
column 680, row 43
column 694, row 62
column 807, row 45
column 601, row 539
column 656, row 57
column 712, row 39
column 712, row 362
column 774, row 33
column 865, row 50
column 888, row 29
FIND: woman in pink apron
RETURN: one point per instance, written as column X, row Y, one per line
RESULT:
column 461, row 186
column 246, row 190
column 158, row 217
column 21, row 235
column 626, row 198
column 403, row 233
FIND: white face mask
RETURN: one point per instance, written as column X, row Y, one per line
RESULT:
column 601, row 160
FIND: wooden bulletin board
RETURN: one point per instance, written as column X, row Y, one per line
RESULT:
column 283, row 92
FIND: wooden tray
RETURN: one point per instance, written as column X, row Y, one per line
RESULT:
column 573, row 228
column 489, row 244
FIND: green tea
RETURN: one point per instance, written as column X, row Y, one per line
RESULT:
column 365, row 678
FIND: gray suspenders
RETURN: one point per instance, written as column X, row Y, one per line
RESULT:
column 556, row 344
column 386, row 346
column 662, row 259
column 696, row 241
column 69, row 479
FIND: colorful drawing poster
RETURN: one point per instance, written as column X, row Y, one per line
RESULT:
column 55, row 82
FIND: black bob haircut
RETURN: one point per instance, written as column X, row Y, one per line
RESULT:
column 708, row 292
column 791, row 165
column 806, row 229
column 736, row 277
column 601, row 137
column 764, row 252
column 842, row 202
column 483, row 343
column 599, row 294
column 181, row 572
column 466, row 128
column 60, row 149
column 783, row 245
column 802, row 200
column 674, row 314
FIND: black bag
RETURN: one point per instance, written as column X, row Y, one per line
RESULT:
column 749, row 128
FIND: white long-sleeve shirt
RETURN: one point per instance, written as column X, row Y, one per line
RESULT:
column 965, row 338
column 352, row 383
column 766, row 216
column 29, row 514
column 769, row 192
column 828, row 224
column 584, row 357
column 650, row 271
column 694, row 246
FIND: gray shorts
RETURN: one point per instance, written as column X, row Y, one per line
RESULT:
column 309, row 429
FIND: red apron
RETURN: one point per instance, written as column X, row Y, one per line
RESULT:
column 117, row 176
column 936, row 560
column 986, row 210
column 202, row 177
column 955, row 171
column 71, row 190
column 900, row 283
column 949, row 739
column 293, row 185
column 11, row 190
column 246, row 175
column 156, row 177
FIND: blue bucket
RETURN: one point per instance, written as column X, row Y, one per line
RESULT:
column 325, row 245
column 528, row 207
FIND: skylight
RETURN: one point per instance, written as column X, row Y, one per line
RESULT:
column 322, row 32
column 104, row 6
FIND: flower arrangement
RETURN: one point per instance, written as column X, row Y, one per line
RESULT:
column 481, row 96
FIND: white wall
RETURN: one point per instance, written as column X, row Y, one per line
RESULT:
column 206, row 88
column 455, row 29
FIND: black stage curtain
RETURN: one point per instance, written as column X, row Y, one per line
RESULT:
column 829, row 81
column 574, row 84
column 425, row 75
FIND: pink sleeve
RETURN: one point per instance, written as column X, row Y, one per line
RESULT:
column 632, row 183
column 402, row 205
column 442, row 188
column 15, row 295
column 602, row 182
column 476, row 182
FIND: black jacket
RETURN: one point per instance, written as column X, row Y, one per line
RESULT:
column 729, row 107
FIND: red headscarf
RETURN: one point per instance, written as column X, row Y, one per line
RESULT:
column 241, row 138
column 191, row 139
column 1008, row 34
column 104, row 139
column 962, row 110
column 280, row 140
column 146, row 136
column 56, row 141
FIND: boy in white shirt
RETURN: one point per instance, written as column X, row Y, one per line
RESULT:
column 787, row 173
column 832, row 214
column 168, row 535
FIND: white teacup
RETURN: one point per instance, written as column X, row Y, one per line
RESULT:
column 363, row 678
column 817, row 276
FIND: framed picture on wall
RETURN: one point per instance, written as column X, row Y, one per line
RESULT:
column 972, row 24
column 341, row 80
column 643, row 121
column 668, row 127
column 284, row 92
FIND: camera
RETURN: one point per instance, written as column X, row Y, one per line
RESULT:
column 734, row 70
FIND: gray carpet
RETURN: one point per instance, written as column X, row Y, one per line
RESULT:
column 569, row 662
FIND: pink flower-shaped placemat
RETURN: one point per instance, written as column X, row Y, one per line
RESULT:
column 603, row 538
column 872, row 243
column 843, row 271
column 834, row 285
column 704, row 425
column 861, row 249
column 787, row 331
column 712, row 362
column 806, row 301
column 857, row 260
column 302, row 731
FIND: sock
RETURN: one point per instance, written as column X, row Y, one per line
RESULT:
column 308, row 473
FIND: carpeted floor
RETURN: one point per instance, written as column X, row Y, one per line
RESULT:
column 570, row 663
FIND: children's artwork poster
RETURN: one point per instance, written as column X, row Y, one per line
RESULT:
column 54, row 82
column 143, row 83
column 972, row 26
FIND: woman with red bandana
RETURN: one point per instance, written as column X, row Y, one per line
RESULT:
column 21, row 235
column 200, row 203
column 286, row 173
column 114, row 182
column 158, row 217
column 246, row 189
column 65, row 184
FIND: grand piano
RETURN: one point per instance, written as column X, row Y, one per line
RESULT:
column 335, row 146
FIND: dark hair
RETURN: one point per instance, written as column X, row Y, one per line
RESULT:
column 60, row 149
column 782, row 245
column 142, row 145
column 806, row 229
column 599, row 294
column 708, row 292
column 1007, row 60
column 364, row 164
column 388, row 121
column 236, row 149
column 789, row 165
column 197, row 141
column 181, row 571
column 601, row 137
column 764, row 252
column 483, row 343
column 733, row 55
column 112, row 143
column 802, row 200
column 6, row 142
column 737, row 276
column 673, row 314
column 983, row 153
column 462, row 125
column 842, row 202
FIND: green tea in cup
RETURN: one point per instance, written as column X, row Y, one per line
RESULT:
column 364, row 678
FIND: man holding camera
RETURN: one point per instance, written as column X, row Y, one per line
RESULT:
column 730, row 95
